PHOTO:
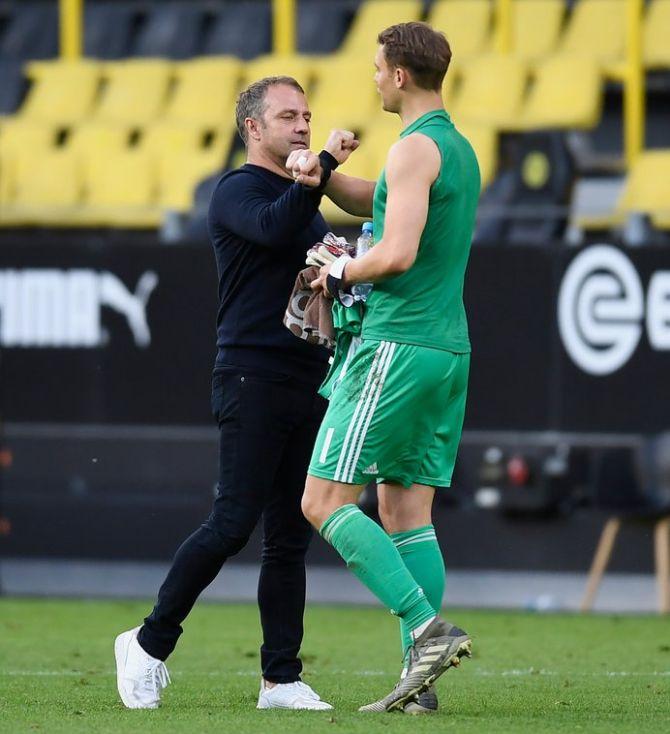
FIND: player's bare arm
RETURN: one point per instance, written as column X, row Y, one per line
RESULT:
column 412, row 166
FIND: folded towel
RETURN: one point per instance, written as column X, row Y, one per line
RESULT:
column 309, row 314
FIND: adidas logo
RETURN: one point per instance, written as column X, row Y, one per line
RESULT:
column 372, row 469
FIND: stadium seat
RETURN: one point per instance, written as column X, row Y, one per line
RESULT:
column 484, row 142
column 372, row 18
column 647, row 188
column 32, row 31
column 135, row 91
column 205, row 92
column 179, row 175
column 567, row 93
column 322, row 26
column 109, row 28
column 90, row 137
column 362, row 164
column 13, row 86
column 171, row 30
column 17, row 135
column 62, row 92
column 242, row 29
column 596, row 29
column 491, row 92
column 46, row 189
column 536, row 27
column 121, row 190
column 301, row 68
column 466, row 24
column 656, row 32
column 346, row 92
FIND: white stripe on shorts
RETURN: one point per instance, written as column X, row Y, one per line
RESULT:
column 368, row 412
column 381, row 349
column 326, row 445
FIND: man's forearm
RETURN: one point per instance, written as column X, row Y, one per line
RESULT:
column 354, row 195
column 379, row 263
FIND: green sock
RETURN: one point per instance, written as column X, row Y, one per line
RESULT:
column 421, row 554
column 375, row 561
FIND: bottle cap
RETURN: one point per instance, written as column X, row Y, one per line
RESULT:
column 367, row 227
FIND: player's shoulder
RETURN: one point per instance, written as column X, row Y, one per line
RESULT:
column 414, row 153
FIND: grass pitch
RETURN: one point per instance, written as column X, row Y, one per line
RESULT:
column 529, row 673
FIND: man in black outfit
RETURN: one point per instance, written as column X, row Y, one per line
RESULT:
column 264, row 399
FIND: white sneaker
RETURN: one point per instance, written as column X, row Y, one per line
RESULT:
column 296, row 695
column 140, row 678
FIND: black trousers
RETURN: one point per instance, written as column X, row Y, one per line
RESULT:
column 268, row 423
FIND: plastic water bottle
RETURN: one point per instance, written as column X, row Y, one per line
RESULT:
column 362, row 290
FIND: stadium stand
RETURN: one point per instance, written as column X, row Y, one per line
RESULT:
column 144, row 92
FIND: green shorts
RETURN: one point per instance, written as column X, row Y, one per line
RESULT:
column 395, row 415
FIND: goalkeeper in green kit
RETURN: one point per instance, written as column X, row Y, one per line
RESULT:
column 397, row 412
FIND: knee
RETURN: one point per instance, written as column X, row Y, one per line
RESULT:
column 311, row 507
column 322, row 497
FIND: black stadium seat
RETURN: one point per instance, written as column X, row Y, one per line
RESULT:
column 242, row 29
column 109, row 28
column 13, row 85
column 322, row 26
column 31, row 31
column 172, row 30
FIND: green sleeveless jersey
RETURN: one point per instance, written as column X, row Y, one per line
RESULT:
column 424, row 305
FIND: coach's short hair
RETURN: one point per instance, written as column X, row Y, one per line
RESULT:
column 251, row 102
column 420, row 49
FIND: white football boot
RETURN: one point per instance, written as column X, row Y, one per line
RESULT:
column 297, row 695
column 140, row 678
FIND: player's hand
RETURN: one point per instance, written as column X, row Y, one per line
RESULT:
column 305, row 167
column 319, row 283
column 341, row 144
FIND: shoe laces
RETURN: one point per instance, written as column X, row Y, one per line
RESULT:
column 156, row 677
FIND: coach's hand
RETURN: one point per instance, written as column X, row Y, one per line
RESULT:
column 340, row 144
column 305, row 167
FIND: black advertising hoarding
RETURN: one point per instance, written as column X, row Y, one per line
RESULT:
column 563, row 339
column 124, row 334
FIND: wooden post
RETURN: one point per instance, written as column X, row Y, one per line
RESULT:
column 601, row 559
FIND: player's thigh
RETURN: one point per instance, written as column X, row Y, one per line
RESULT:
column 437, row 466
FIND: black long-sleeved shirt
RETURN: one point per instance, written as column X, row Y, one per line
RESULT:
column 261, row 225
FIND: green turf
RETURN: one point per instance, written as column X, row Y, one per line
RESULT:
column 534, row 673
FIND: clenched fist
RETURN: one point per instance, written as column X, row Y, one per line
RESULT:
column 340, row 144
column 305, row 167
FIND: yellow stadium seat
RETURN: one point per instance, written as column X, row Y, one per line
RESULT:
column 46, row 188
column 180, row 173
column 567, row 93
column 62, row 92
column 597, row 29
column 121, row 190
column 491, row 92
column 484, row 142
column 90, row 138
column 135, row 91
column 647, row 188
column 378, row 137
column 374, row 16
column 346, row 92
column 361, row 164
column 656, row 32
column 536, row 27
column 206, row 91
column 301, row 68
column 17, row 135
column 465, row 23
